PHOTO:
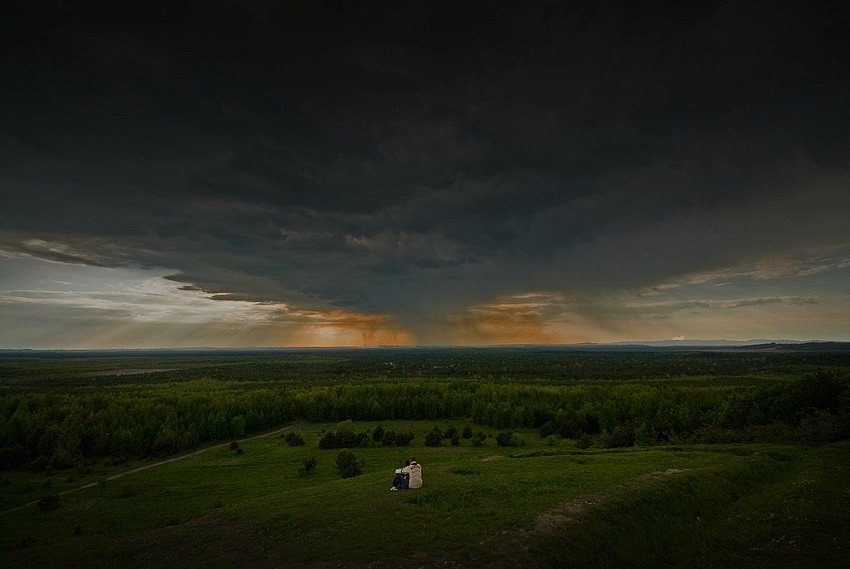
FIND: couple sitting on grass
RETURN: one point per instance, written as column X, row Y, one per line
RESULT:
column 408, row 477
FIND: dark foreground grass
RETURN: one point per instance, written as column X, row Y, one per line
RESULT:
column 539, row 505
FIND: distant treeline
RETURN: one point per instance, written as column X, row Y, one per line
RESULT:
column 51, row 372
column 60, row 430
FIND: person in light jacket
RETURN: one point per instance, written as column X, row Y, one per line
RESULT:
column 414, row 470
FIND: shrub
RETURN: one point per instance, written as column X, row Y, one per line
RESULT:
column 307, row 467
column 347, row 464
column 478, row 439
column 623, row 435
column 548, row 428
column 434, row 438
column 467, row 432
column 293, row 439
column 403, row 440
column 503, row 439
column 61, row 459
column 234, row 445
column 378, row 434
column 450, row 433
column 389, row 438
column 455, row 440
column 584, row 441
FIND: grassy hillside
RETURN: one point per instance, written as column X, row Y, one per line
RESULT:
column 542, row 504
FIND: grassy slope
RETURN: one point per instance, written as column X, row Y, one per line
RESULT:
column 553, row 506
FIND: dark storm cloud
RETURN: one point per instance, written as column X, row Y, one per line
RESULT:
column 419, row 158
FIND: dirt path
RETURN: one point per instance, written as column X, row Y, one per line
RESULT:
column 160, row 463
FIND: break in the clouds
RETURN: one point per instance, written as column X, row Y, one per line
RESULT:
column 253, row 173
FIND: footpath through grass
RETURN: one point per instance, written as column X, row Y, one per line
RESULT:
column 537, row 505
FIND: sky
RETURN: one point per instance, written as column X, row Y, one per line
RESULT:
column 258, row 173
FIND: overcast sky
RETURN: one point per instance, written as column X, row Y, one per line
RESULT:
column 348, row 173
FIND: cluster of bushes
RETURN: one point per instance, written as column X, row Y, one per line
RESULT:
column 390, row 438
column 436, row 436
column 509, row 439
column 343, row 437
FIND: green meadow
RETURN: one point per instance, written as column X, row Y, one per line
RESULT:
column 508, row 490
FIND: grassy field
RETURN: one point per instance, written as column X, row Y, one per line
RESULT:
column 542, row 504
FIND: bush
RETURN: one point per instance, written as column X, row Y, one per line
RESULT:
column 234, row 445
column 61, row 459
column 548, row 428
column 378, row 434
column 434, row 438
column 403, row 440
column 342, row 439
column 503, row 439
column 478, row 439
column 307, row 467
column 584, row 441
column 622, row 436
column 455, row 440
column 389, row 438
column 450, row 433
column 467, row 432
column 293, row 439
column 347, row 464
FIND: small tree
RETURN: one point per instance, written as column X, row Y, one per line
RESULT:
column 347, row 464
column 307, row 467
column 378, row 434
column 643, row 436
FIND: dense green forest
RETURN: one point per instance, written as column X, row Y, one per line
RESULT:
column 58, row 410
